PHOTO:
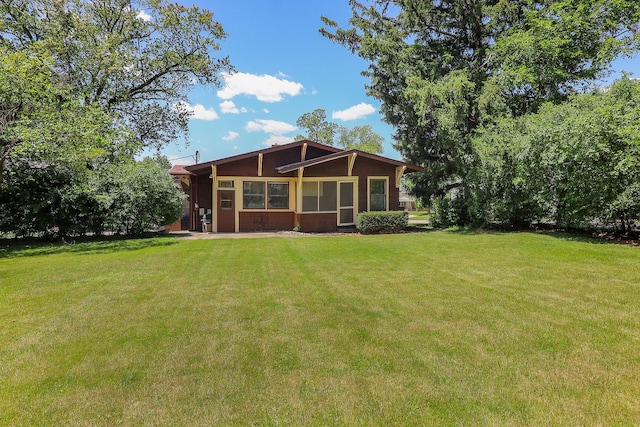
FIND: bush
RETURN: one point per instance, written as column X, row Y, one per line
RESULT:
column 449, row 212
column 382, row 222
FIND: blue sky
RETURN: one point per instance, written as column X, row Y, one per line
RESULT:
column 285, row 68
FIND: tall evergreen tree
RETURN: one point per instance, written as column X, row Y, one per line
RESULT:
column 444, row 68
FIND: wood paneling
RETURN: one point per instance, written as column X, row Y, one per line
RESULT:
column 266, row 221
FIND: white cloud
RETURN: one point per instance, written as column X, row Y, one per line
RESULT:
column 265, row 110
column 200, row 112
column 143, row 16
column 231, row 136
column 277, row 140
column 353, row 113
column 228, row 107
column 269, row 126
column 265, row 88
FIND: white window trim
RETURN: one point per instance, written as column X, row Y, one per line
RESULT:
column 386, row 195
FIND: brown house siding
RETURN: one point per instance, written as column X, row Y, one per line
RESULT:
column 266, row 221
column 245, row 167
column 317, row 222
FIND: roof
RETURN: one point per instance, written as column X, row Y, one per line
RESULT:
column 343, row 154
column 335, row 153
column 179, row 170
column 272, row 149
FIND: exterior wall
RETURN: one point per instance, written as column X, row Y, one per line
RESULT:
column 266, row 221
column 339, row 167
column 317, row 222
column 365, row 168
column 245, row 167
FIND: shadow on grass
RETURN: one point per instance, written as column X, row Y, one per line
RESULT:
column 13, row 248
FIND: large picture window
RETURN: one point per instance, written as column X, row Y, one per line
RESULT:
column 377, row 194
column 319, row 196
column 265, row 195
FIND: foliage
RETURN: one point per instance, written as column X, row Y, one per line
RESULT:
column 382, row 222
column 40, row 119
column 571, row 163
column 138, row 68
column 53, row 200
column 138, row 196
column 320, row 130
column 448, row 211
column 84, row 87
column 317, row 127
column 361, row 138
column 444, row 69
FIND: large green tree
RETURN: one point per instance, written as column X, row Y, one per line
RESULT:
column 134, row 59
column 40, row 120
column 85, row 85
column 318, row 128
column 444, row 68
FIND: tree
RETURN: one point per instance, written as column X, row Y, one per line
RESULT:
column 444, row 68
column 320, row 130
column 362, row 138
column 317, row 127
column 39, row 120
column 571, row 163
column 134, row 59
column 85, row 85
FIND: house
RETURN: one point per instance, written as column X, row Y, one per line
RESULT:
column 304, row 185
column 407, row 202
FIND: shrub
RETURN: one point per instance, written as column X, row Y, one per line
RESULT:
column 382, row 222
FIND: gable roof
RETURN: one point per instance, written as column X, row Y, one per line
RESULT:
column 333, row 154
column 342, row 154
column 272, row 149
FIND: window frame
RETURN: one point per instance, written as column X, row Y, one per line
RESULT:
column 319, row 195
column 265, row 194
column 386, row 191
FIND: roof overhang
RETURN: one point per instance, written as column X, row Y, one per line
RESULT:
column 343, row 154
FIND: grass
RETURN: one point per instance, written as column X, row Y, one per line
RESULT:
column 415, row 329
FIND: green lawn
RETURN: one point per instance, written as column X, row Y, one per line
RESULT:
column 416, row 329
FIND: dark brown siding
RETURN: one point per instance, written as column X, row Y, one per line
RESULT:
column 365, row 168
column 318, row 222
column 245, row 167
column 339, row 167
column 271, row 161
column 266, row 221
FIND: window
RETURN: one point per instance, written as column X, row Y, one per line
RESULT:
column 225, row 184
column 319, row 196
column 253, row 195
column 226, row 201
column 277, row 195
column 378, row 194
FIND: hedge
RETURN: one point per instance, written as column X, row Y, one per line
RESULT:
column 382, row 222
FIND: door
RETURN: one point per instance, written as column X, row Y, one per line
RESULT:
column 226, row 211
column 345, row 214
